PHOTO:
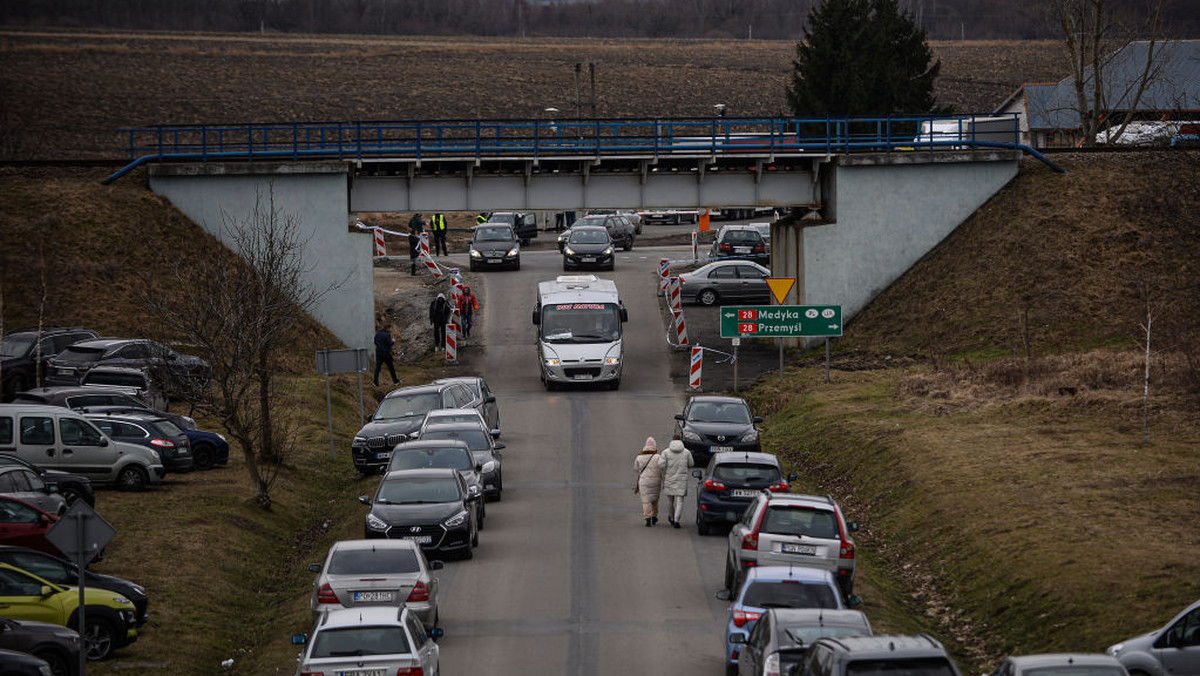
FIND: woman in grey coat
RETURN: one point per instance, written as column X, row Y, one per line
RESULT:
column 675, row 462
column 649, row 483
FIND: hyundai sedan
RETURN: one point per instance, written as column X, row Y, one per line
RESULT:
column 431, row 507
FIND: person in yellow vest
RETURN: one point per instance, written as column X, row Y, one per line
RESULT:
column 481, row 219
column 438, row 225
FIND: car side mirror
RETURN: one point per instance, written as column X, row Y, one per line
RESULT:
column 43, row 519
column 624, row 314
column 47, row 591
column 852, row 526
column 724, row 595
column 365, row 499
column 757, row 419
column 853, row 601
column 436, row 564
column 792, row 476
column 314, row 567
column 103, row 442
column 51, row 488
column 679, row 416
column 299, row 639
column 737, row 638
column 490, row 400
column 698, row 473
column 500, row 445
column 436, row 633
column 495, row 433
column 479, row 468
column 536, row 318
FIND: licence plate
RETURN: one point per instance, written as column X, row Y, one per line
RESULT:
column 719, row 449
column 373, row 596
column 583, row 376
column 493, row 260
column 362, row 672
column 383, row 456
column 743, row 493
column 741, row 249
column 808, row 550
column 419, row 539
column 66, row 372
column 587, row 259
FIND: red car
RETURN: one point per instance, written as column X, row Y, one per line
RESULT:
column 24, row 525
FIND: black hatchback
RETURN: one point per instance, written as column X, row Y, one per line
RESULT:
column 712, row 424
column 431, row 507
column 588, row 246
column 730, row 482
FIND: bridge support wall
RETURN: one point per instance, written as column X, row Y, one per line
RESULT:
column 335, row 257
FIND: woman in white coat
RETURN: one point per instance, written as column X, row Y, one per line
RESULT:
column 675, row 462
column 649, row 483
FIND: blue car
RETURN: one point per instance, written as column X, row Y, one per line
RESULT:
column 730, row 483
column 208, row 449
column 775, row 587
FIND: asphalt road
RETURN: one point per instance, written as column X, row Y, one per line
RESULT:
column 567, row 579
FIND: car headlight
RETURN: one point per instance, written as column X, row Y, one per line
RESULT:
column 376, row 523
column 475, row 253
column 752, row 435
column 121, row 600
column 607, row 252
column 488, row 467
column 222, row 438
column 612, row 361
column 359, row 441
column 1115, row 649
column 690, row 435
column 456, row 520
column 139, row 589
column 514, row 251
column 551, row 361
column 569, row 251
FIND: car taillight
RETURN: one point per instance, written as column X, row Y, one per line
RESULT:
column 162, row 443
column 325, row 594
column 420, row 592
column 312, row 673
column 750, row 540
column 778, row 487
column 726, row 247
column 741, row 617
column 847, row 550
column 714, row 485
column 759, row 248
column 410, row 671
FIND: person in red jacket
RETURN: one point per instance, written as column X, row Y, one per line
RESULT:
column 467, row 305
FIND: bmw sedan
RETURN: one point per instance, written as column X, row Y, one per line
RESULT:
column 727, row 282
column 431, row 507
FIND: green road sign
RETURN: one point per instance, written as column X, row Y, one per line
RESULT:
column 781, row 321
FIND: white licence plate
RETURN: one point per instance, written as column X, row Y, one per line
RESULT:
column 373, row 596
column 383, row 456
column 743, row 493
column 66, row 372
column 807, row 550
column 583, row 376
column 719, row 449
column 362, row 672
column 493, row 260
column 419, row 539
column 587, row 259
column 741, row 249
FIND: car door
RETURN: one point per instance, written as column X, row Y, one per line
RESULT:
column 424, row 647
column 1178, row 649
column 491, row 410
column 22, row 525
column 37, row 442
column 753, row 284
column 85, row 449
column 21, row 598
column 724, row 279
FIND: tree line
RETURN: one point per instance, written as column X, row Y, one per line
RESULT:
column 712, row 19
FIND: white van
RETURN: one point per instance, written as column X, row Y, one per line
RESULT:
column 59, row 438
column 579, row 321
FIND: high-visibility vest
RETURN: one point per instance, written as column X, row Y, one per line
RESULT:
column 439, row 222
column 480, row 219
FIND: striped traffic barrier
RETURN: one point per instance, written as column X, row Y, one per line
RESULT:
column 430, row 264
column 675, row 294
column 452, row 337
column 380, row 246
column 681, row 336
column 664, row 273
column 694, row 371
column 695, row 246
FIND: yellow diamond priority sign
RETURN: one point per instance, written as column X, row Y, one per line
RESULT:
column 780, row 287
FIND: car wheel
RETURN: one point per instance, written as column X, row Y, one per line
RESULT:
column 468, row 553
column 628, row 244
column 204, row 456
column 482, row 516
column 60, row 664
column 702, row 526
column 132, row 478
column 517, row 266
column 729, row 577
column 615, row 385
column 71, row 494
column 731, row 670
column 707, row 297
column 99, row 634
column 13, row 386
column 475, row 538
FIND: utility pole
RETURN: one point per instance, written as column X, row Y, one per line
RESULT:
column 579, row 102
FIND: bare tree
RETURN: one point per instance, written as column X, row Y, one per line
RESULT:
column 241, row 314
column 1093, row 31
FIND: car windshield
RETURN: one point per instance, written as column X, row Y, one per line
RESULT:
column 80, row 354
column 927, row 666
column 389, row 640
column 581, row 323
column 454, row 457
column 589, row 220
column 804, row 634
column 416, row 491
column 407, row 405
column 789, row 594
column 588, row 237
column 16, row 346
column 706, row 411
column 384, row 561
column 477, row 439
column 795, row 520
column 502, row 218
column 746, row 473
column 499, row 233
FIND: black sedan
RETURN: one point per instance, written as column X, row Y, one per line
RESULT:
column 62, row 572
column 452, row 453
column 495, row 246
column 588, row 246
column 432, row 507
column 711, row 424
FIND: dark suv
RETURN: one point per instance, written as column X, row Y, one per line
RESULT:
column 19, row 354
column 920, row 655
column 174, row 370
column 712, row 424
column 400, row 414
column 739, row 241
column 730, row 483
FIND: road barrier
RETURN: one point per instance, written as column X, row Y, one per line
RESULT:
column 696, row 365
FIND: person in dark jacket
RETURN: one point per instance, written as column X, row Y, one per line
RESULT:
column 414, row 247
column 439, row 314
column 383, row 353
column 438, row 225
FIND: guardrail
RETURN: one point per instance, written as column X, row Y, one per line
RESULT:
column 548, row 139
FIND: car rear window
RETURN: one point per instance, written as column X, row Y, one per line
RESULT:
column 927, row 666
column 454, row 457
column 477, row 440
column 784, row 594
column 746, row 473
column 373, row 562
column 355, row 641
column 805, row 634
column 115, row 378
column 81, row 354
column 796, row 520
column 743, row 237
column 167, row 428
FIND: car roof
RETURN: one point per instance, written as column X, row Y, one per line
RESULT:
column 361, row 615
column 921, row 645
column 730, row 457
column 105, row 342
column 1064, row 659
column 798, row 573
column 49, row 330
column 800, row 499
column 585, row 228
column 38, row 408
column 429, row 443
column 66, row 390
column 455, row 425
column 417, row 389
column 717, row 399
column 374, row 543
column 422, row 473
column 125, row 414
column 458, row 379
column 817, row 616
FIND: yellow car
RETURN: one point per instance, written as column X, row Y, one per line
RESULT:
column 108, row 617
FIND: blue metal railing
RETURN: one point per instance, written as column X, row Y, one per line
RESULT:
column 549, row 139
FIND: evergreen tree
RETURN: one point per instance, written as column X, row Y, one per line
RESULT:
column 862, row 57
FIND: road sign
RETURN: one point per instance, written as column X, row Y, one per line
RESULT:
column 81, row 532
column 781, row 321
column 780, row 286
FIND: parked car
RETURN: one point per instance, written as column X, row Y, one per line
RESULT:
column 432, row 507
column 208, row 449
column 57, row 646
column 739, row 241
column 631, row 215
column 850, row 655
column 137, row 382
column 774, row 587
column 96, row 398
column 176, row 371
column 588, row 246
column 367, row 573
column 781, row 637
column 59, row 438
column 1173, row 650
column 57, row 569
column 71, row 486
column 494, row 245
column 26, row 485
column 728, row 282
column 792, row 529
column 17, row 663
column 400, row 414
column 109, row 622
column 730, row 482
column 150, row 430
column 382, row 640
column 21, row 351
column 484, row 447
column 489, row 408
column 443, row 416
column 1061, row 664
column 24, row 525
column 451, row 453
column 620, row 230
column 523, row 223
column 712, row 424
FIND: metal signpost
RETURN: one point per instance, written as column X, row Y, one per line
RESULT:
column 80, row 534
column 353, row 360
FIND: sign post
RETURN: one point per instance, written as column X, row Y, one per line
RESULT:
column 353, row 360
column 80, row 533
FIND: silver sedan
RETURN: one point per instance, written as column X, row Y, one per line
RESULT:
column 376, row 573
column 731, row 281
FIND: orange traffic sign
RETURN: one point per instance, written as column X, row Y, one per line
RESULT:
column 780, row 287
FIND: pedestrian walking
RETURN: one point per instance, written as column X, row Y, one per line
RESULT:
column 467, row 305
column 414, row 246
column 417, row 223
column 438, row 225
column 383, row 354
column 439, row 314
column 649, row 481
column 675, row 462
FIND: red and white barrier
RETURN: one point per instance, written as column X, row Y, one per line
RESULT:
column 695, row 246
column 680, row 329
column 664, row 273
column 675, row 295
column 380, row 247
column 452, row 337
column 696, row 364
column 430, row 264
